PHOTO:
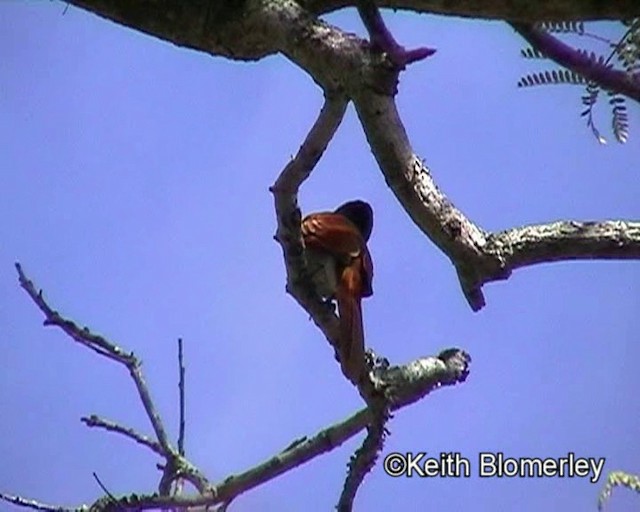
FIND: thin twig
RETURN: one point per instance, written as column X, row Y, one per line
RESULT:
column 113, row 499
column 179, row 482
column 181, row 372
column 95, row 421
column 177, row 465
column 149, row 407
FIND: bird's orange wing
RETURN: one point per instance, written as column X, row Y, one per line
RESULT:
column 332, row 233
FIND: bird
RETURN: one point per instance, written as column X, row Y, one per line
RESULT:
column 341, row 268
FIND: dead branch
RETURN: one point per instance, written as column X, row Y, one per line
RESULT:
column 110, row 426
column 400, row 386
column 37, row 505
column 176, row 465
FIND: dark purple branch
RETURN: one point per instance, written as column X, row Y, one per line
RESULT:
column 383, row 40
column 567, row 56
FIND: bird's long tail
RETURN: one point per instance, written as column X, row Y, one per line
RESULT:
column 351, row 329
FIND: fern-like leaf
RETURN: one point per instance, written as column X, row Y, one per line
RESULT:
column 626, row 52
column 619, row 117
column 614, row 479
column 589, row 100
column 553, row 77
column 532, row 53
column 573, row 27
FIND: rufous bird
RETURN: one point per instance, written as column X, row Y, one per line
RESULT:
column 341, row 268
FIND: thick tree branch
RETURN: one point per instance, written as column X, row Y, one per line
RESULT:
column 516, row 10
column 343, row 62
column 567, row 240
column 235, row 29
column 605, row 76
column 403, row 385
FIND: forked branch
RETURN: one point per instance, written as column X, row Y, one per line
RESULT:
column 446, row 369
column 373, row 389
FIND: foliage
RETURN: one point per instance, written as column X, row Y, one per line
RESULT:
column 614, row 479
column 625, row 51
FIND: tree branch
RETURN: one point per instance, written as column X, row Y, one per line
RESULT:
column 181, row 372
column 567, row 240
column 517, row 10
column 401, row 386
column 285, row 192
column 176, row 464
column 103, row 347
column 568, row 57
column 383, row 39
column 37, row 505
column 300, row 286
column 365, row 457
column 110, row 426
column 349, row 66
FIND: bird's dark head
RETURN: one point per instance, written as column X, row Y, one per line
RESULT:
column 361, row 214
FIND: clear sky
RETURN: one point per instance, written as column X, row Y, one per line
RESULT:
column 134, row 191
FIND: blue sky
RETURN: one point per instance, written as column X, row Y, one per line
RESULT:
column 134, row 192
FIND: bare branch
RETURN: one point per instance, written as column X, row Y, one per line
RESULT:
column 567, row 240
column 285, row 191
column 103, row 347
column 479, row 256
column 411, row 182
column 403, row 386
column 181, row 372
column 365, row 457
column 37, row 505
column 95, row 421
column 581, row 63
column 400, row 385
column 343, row 62
column 177, row 466
column 106, row 491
